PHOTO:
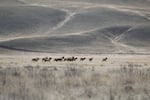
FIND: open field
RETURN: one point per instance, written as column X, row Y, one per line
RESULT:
column 121, row 77
column 74, row 49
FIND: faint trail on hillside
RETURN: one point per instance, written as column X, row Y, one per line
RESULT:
column 44, row 36
column 117, row 38
column 134, row 10
column 123, row 47
column 83, row 6
column 120, row 46
column 62, row 23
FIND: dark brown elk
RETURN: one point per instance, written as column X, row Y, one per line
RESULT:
column 43, row 59
column 75, row 58
column 63, row 57
column 35, row 59
column 70, row 59
column 105, row 59
column 82, row 59
column 90, row 59
column 46, row 59
column 49, row 58
column 59, row 59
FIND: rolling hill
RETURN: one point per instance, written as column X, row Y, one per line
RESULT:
column 67, row 26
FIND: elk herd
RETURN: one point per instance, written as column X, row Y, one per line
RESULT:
column 66, row 59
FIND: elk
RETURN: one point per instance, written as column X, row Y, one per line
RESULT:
column 46, row 59
column 75, row 58
column 68, row 59
column 90, row 59
column 59, row 59
column 35, row 59
column 49, row 58
column 105, row 59
column 82, row 59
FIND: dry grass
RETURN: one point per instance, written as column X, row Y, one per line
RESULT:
column 129, row 82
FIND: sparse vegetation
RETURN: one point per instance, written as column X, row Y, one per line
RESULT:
column 129, row 82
